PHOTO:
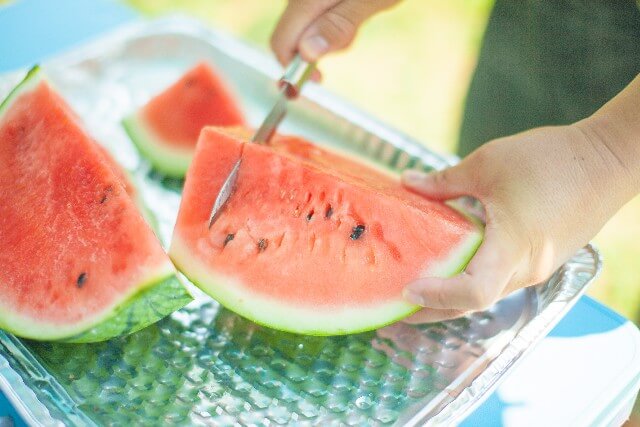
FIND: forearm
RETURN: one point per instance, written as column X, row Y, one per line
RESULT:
column 617, row 126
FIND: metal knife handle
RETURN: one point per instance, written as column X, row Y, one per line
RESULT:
column 295, row 76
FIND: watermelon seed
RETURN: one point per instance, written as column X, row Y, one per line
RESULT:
column 328, row 212
column 82, row 278
column 229, row 238
column 357, row 231
column 262, row 244
column 105, row 196
column 310, row 215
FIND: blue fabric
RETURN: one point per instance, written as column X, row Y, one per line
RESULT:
column 586, row 318
column 32, row 30
column 8, row 415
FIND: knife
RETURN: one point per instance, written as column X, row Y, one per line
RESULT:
column 295, row 76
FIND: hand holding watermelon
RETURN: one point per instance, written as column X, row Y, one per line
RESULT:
column 532, row 186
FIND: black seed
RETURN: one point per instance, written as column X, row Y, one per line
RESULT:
column 105, row 196
column 82, row 278
column 189, row 82
column 357, row 231
column 328, row 212
column 229, row 238
column 262, row 244
column 309, row 216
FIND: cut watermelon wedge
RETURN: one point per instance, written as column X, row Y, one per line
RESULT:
column 77, row 263
column 130, row 187
column 166, row 129
column 311, row 241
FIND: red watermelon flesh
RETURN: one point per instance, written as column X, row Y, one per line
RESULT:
column 166, row 129
column 311, row 241
column 122, row 175
column 75, row 251
column 129, row 186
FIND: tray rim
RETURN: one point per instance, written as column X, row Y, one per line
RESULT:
column 460, row 405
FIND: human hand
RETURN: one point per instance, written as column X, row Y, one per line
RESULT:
column 546, row 193
column 316, row 27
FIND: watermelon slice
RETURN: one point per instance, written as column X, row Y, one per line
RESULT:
column 311, row 241
column 78, row 263
column 130, row 187
column 123, row 176
column 166, row 129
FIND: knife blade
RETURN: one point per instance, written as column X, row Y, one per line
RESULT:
column 290, row 84
column 273, row 119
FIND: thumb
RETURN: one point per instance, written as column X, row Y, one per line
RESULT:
column 449, row 183
column 336, row 28
column 483, row 281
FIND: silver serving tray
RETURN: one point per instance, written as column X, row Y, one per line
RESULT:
column 207, row 366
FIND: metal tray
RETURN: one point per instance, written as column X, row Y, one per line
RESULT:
column 207, row 366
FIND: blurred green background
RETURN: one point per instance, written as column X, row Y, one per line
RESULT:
column 411, row 66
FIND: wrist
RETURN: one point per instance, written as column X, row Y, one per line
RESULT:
column 606, row 165
column 615, row 142
column 616, row 127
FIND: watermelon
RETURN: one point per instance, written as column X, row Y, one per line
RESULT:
column 166, row 129
column 78, row 263
column 129, row 186
column 311, row 241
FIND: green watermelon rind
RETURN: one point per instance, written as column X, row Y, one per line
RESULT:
column 158, row 296
column 367, row 319
column 146, row 213
column 31, row 79
column 168, row 161
column 142, row 309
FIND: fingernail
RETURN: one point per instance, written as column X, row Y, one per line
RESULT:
column 413, row 297
column 314, row 47
column 413, row 176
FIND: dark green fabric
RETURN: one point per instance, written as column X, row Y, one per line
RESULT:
column 546, row 62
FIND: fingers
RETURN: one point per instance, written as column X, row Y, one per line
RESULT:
column 479, row 286
column 316, row 27
column 336, row 28
column 445, row 184
column 431, row 316
column 298, row 15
